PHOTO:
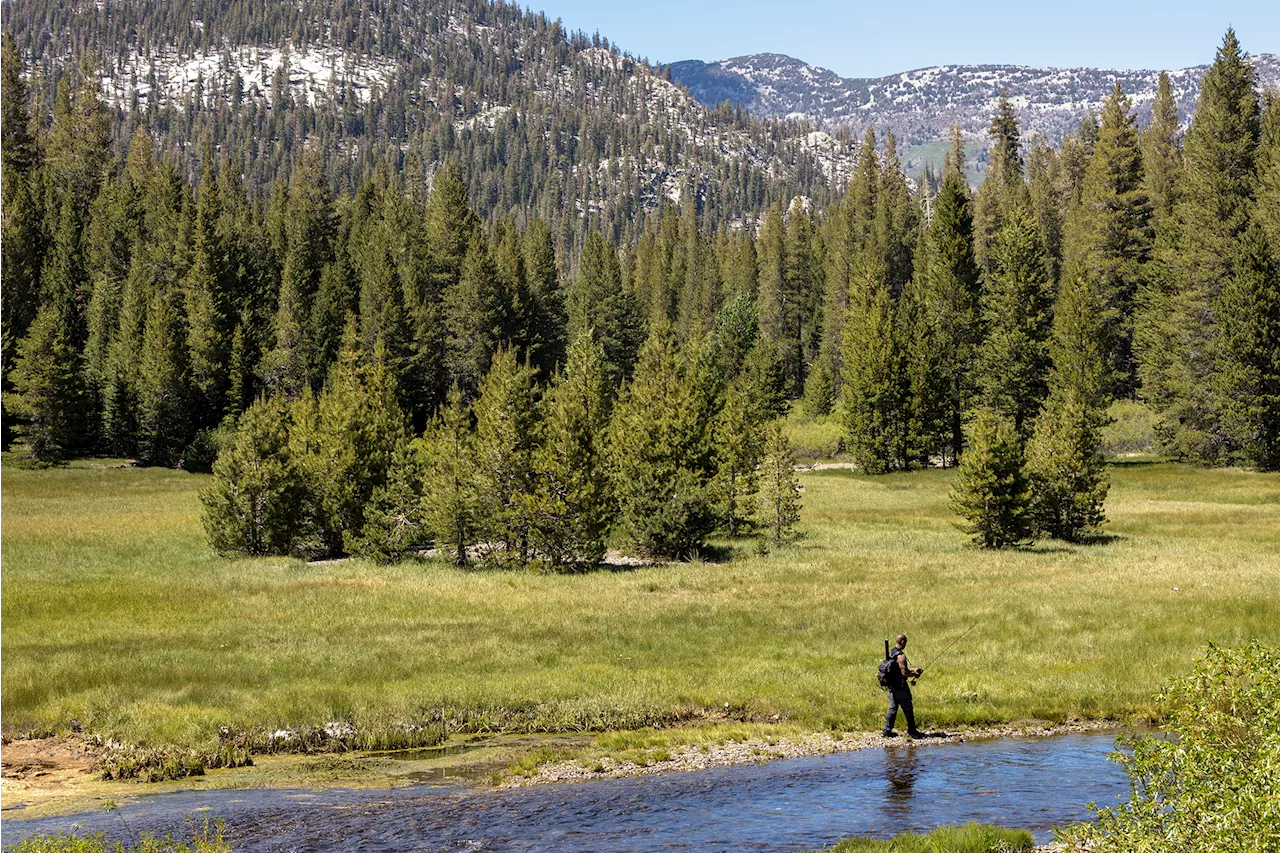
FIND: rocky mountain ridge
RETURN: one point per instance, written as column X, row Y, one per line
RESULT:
column 920, row 106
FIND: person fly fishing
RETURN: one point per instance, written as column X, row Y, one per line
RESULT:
column 898, row 673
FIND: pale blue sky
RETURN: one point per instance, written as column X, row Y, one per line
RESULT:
column 871, row 39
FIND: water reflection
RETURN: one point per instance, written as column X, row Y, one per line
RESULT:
column 902, row 767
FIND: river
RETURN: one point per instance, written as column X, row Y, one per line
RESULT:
column 790, row 805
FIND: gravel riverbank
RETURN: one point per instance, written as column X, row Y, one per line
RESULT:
column 756, row 751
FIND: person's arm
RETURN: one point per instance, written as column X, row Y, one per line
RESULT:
column 908, row 672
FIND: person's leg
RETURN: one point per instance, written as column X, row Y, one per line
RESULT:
column 891, row 716
column 908, row 711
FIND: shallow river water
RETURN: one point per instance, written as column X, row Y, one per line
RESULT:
column 792, row 805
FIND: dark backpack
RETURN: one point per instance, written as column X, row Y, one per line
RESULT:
column 889, row 674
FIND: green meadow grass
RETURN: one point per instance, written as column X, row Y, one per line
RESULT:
column 970, row 838
column 117, row 614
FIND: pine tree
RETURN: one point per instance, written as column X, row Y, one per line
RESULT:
column 1065, row 470
column 927, row 384
column 286, row 369
column 1044, row 187
column 1162, row 152
column 450, row 505
column 254, row 503
column 734, row 334
column 451, row 227
column 1201, row 244
column 358, row 425
column 873, row 398
column 1014, row 359
column 597, row 303
column 393, row 524
column 164, row 404
column 1247, row 382
column 17, row 144
column 1267, row 210
column 49, row 395
column 737, row 436
column 819, row 391
column 1078, row 346
column 547, row 318
column 991, row 493
column 572, row 505
column 897, row 223
column 206, row 345
column 1003, row 188
column 507, row 426
column 475, row 317
column 778, row 505
column 1109, row 234
column 951, row 305
column 773, row 302
column 661, row 454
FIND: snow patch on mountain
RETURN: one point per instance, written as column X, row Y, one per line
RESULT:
column 311, row 72
column 920, row 106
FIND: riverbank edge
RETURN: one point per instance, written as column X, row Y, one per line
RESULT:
column 511, row 761
column 763, row 750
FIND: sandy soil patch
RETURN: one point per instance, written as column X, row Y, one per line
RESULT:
column 45, row 764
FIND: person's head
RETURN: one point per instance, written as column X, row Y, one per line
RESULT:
column 902, row 641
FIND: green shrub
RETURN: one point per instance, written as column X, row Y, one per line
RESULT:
column 1130, row 430
column 206, row 837
column 1209, row 784
column 815, row 438
column 970, row 838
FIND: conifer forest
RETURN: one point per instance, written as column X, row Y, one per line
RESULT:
column 384, row 329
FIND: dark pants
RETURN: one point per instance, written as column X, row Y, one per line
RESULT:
column 900, row 697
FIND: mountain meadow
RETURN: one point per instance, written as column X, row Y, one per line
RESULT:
column 392, row 375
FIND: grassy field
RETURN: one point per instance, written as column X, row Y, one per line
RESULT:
column 116, row 614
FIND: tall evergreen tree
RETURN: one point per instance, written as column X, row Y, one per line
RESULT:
column 1246, row 384
column 1003, row 189
column 1162, row 151
column 475, row 316
column 1109, row 235
column 1018, row 314
column 661, row 454
column 49, row 396
column 572, row 504
column 873, row 403
column 1065, row 470
column 164, row 403
column 598, row 304
column 507, row 416
column 450, row 505
column 1182, row 337
column 951, row 301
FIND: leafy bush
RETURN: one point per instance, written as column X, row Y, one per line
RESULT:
column 815, row 438
column 1130, row 429
column 206, row 837
column 970, row 838
column 1210, row 784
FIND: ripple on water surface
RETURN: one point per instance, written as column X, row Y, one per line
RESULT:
column 797, row 804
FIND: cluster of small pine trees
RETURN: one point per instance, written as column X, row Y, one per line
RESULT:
column 520, row 474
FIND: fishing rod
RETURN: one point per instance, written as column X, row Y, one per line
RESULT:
column 952, row 643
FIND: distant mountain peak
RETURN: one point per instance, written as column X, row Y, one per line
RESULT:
column 920, row 105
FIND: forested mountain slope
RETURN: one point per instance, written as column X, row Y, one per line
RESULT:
column 548, row 123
